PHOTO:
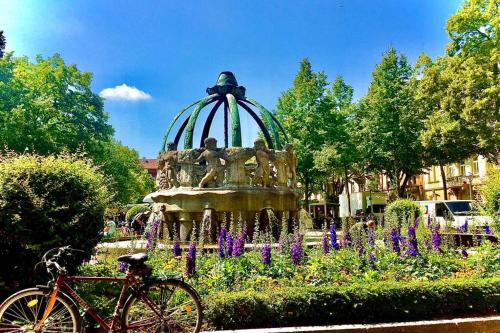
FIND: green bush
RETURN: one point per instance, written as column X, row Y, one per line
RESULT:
column 354, row 303
column 46, row 202
column 490, row 193
column 401, row 212
column 134, row 210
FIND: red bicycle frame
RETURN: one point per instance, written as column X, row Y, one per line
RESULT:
column 61, row 284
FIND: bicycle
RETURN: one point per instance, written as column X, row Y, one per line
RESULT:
column 146, row 303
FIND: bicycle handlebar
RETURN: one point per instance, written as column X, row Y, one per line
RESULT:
column 51, row 262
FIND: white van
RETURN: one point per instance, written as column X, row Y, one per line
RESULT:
column 456, row 211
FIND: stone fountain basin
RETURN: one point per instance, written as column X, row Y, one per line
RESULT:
column 195, row 200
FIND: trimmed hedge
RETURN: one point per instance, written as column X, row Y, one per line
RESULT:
column 374, row 303
column 401, row 212
column 47, row 202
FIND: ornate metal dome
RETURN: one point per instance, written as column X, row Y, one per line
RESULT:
column 227, row 96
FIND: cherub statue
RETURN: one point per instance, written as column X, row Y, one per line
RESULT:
column 167, row 176
column 263, row 171
column 215, row 169
column 291, row 163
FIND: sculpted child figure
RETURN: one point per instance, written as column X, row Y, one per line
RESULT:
column 170, row 167
column 215, row 169
column 263, row 171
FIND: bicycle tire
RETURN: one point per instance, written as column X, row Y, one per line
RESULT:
column 23, row 310
column 186, row 305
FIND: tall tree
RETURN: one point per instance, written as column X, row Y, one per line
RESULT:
column 460, row 91
column 302, row 110
column 388, row 125
column 3, row 42
column 446, row 138
column 338, row 155
column 474, row 59
column 48, row 107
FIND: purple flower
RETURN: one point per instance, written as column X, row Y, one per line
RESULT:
column 412, row 242
column 372, row 258
column 360, row 249
column 465, row 227
column 487, row 230
column 151, row 236
column 464, row 253
column 222, row 245
column 333, row 237
column 371, row 237
column 122, row 266
column 382, row 222
column 347, row 239
column 436, row 240
column 229, row 245
column 266, row 254
column 176, row 249
column 297, row 249
column 395, row 241
column 223, row 234
column 325, row 245
column 239, row 244
column 416, row 221
column 191, row 260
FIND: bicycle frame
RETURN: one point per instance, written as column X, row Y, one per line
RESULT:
column 61, row 284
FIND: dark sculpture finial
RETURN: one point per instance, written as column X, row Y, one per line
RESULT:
column 227, row 84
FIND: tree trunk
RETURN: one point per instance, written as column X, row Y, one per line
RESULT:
column 347, row 188
column 402, row 186
column 306, row 193
column 443, row 178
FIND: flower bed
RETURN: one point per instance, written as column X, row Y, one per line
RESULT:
column 385, row 274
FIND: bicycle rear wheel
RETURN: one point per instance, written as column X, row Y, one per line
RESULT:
column 176, row 308
column 23, row 310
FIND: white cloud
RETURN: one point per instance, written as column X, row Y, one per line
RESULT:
column 124, row 93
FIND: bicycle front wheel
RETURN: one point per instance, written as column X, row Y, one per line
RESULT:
column 166, row 306
column 22, row 311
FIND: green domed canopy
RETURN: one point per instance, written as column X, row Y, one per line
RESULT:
column 227, row 96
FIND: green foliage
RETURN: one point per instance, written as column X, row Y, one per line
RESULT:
column 47, row 202
column 48, row 107
column 130, row 181
column 401, row 212
column 134, row 210
column 316, row 118
column 387, row 124
column 377, row 302
column 490, row 193
column 2, row 44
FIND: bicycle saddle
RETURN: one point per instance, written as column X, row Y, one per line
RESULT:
column 134, row 259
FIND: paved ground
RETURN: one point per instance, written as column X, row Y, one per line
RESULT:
column 460, row 325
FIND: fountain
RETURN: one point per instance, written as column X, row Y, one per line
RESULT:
column 198, row 186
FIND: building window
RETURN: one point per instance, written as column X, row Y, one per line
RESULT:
column 475, row 168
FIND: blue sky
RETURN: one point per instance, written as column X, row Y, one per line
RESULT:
column 172, row 50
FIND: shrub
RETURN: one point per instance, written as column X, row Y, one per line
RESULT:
column 367, row 303
column 134, row 210
column 490, row 193
column 401, row 212
column 46, row 202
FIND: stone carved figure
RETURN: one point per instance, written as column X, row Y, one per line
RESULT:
column 263, row 171
column 186, row 161
column 212, row 156
column 167, row 175
column 236, row 174
column 291, row 162
column 280, row 165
